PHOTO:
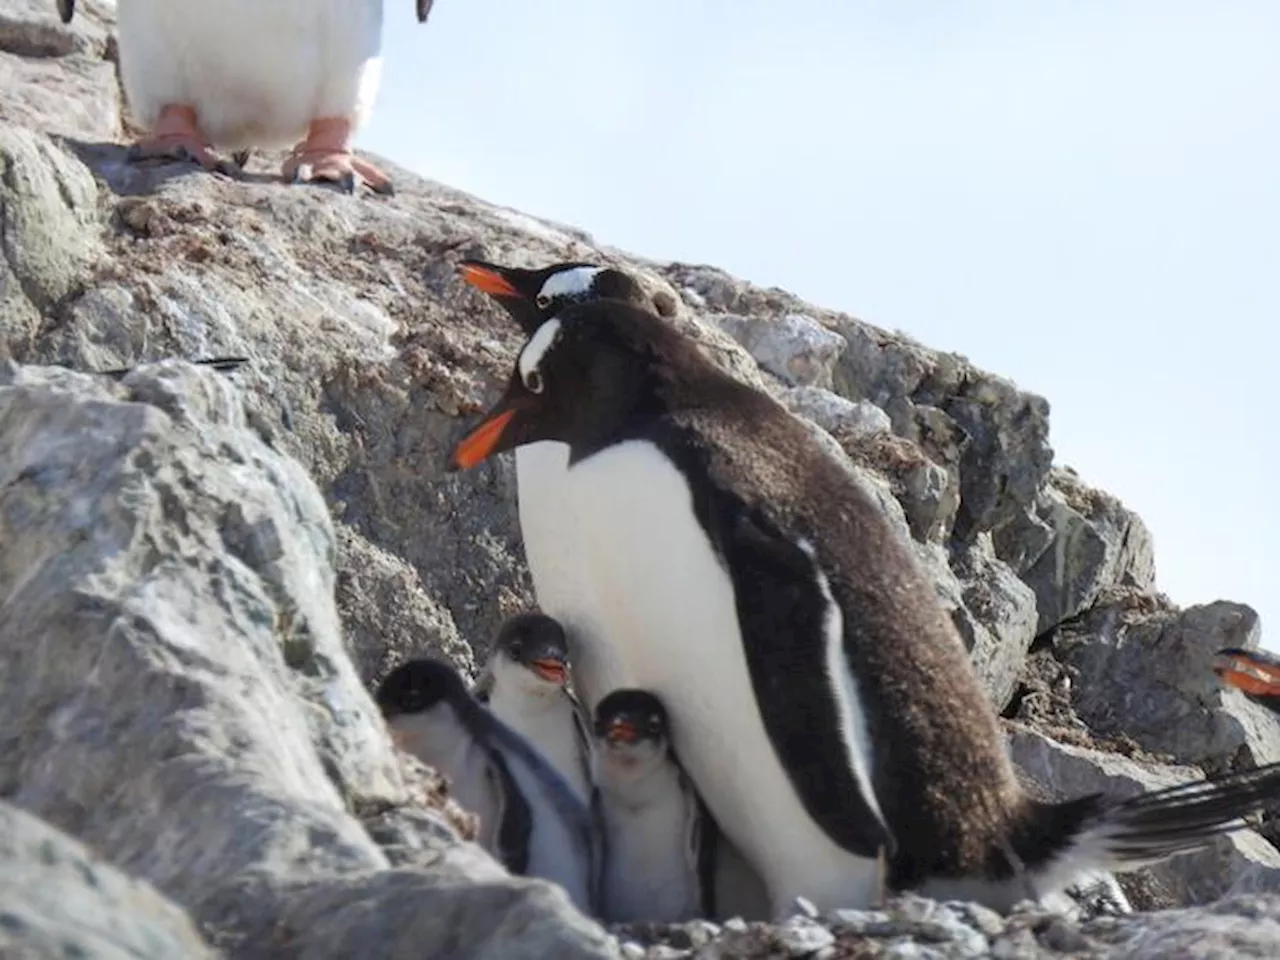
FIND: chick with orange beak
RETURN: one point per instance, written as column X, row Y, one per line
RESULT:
column 656, row 866
column 526, row 685
column 1254, row 673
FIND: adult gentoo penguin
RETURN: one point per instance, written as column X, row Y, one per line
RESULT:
column 655, row 866
column 254, row 73
column 525, row 686
column 820, row 698
column 548, row 514
column 530, row 819
column 1255, row 673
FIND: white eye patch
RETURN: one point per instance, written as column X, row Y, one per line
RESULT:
column 537, row 347
column 569, row 283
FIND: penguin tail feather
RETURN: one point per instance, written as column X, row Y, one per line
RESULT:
column 1096, row 834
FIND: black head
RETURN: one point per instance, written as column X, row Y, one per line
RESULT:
column 630, row 717
column 537, row 642
column 418, row 685
column 585, row 375
column 531, row 297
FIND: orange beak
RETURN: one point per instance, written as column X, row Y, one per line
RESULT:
column 621, row 730
column 488, row 280
column 552, row 671
column 1247, row 674
column 481, row 442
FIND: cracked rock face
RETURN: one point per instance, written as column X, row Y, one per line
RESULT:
column 203, row 574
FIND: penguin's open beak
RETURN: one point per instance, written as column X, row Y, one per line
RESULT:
column 551, row 669
column 488, row 279
column 485, row 440
column 1249, row 671
column 621, row 730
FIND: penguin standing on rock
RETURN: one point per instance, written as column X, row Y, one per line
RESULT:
column 524, row 686
column 655, row 865
column 548, row 514
column 237, row 74
column 819, row 695
column 530, row 818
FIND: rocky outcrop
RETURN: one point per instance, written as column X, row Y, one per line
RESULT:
column 203, row 573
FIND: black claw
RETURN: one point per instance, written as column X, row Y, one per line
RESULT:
column 183, row 155
column 134, row 153
column 349, row 182
column 241, row 157
column 387, row 189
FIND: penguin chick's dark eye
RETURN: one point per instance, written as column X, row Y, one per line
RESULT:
column 533, row 381
column 516, row 648
column 542, row 300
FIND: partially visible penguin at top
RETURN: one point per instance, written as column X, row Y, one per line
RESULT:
column 236, row 74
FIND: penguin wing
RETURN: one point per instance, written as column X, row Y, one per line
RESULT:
column 515, row 825
column 704, row 838
column 793, row 640
column 582, row 734
column 599, row 851
column 424, row 9
column 66, row 10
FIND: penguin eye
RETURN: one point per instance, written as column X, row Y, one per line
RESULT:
column 516, row 649
column 533, row 381
column 542, row 300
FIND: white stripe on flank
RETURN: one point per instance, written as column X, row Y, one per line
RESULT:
column 853, row 721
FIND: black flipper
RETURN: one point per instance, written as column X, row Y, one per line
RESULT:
column 517, row 822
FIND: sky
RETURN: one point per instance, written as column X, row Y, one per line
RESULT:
column 1083, row 197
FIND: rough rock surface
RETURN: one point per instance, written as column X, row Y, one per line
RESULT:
column 203, row 574
column 58, row 900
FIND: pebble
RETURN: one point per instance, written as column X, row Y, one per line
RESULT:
column 633, row 951
column 803, row 937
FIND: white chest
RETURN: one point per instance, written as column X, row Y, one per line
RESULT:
column 549, row 726
column 650, row 872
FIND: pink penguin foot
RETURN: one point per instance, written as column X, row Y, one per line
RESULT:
column 326, row 156
column 176, row 137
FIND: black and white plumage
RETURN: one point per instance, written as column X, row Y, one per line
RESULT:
column 530, row 819
column 525, row 686
column 655, row 867
column 820, row 697
column 549, row 521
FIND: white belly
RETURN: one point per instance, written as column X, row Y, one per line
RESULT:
column 551, row 527
column 650, row 874
column 661, row 600
column 256, row 71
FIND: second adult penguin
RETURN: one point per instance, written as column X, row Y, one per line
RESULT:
column 524, row 686
column 530, row 818
column 819, row 694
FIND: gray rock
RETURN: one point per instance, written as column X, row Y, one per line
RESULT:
column 1242, row 928
column 1145, row 671
column 58, row 900
column 836, row 414
column 795, row 348
column 1076, row 544
column 996, row 618
column 177, row 693
column 1241, row 861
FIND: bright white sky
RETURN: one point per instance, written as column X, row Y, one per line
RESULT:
column 1083, row 197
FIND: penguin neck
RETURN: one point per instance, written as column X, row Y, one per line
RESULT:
column 637, row 777
column 516, row 688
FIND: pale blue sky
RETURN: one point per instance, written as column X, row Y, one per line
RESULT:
column 1083, row 197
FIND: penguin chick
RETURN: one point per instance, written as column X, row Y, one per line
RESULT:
column 653, row 867
column 1255, row 673
column 524, row 686
column 529, row 817
column 254, row 73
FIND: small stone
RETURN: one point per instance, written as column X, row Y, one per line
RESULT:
column 805, row 907
column 795, row 348
column 633, row 951
column 735, row 925
column 803, row 936
column 1063, row 936
column 859, row 921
